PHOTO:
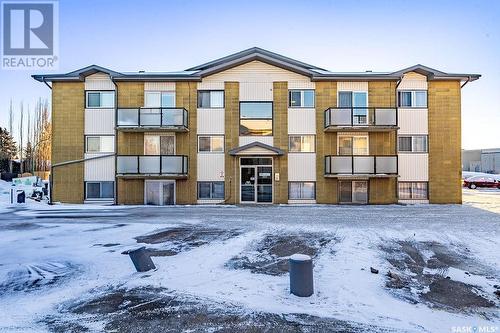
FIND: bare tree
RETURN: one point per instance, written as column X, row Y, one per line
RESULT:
column 11, row 125
column 21, row 135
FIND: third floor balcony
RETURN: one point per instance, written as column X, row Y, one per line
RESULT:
column 361, row 165
column 142, row 119
column 360, row 118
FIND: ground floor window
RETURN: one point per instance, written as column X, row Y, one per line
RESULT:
column 210, row 190
column 301, row 190
column 413, row 190
column 99, row 190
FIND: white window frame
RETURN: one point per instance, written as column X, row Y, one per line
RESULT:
column 100, row 92
column 413, row 98
column 211, row 151
column 413, row 137
column 100, row 144
column 302, row 93
column 160, row 93
column 157, row 136
column 412, row 183
column 210, row 102
column 301, row 143
column 354, row 135
column 211, row 190
column 302, row 187
column 100, row 190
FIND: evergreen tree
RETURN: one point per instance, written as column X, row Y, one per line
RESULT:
column 8, row 148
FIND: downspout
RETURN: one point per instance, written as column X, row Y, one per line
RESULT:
column 116, row 138
column 468, row 80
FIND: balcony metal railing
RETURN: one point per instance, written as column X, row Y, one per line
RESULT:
column 176, row 118
column 161, row 165
column 361, row 116
column 361, row 165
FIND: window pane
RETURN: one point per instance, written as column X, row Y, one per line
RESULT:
column 345, row 146
column 167, row 145
column 93, row 99
column 360, row 99
column 420, row 99
column 203, row 99
column 360, row 145
column 293, row 191
column 152, row 99
column 250, row 110
column 294, row 144
column 108, row 99
column 309, row 98
column 308, row 144
column 217, row 143
column 308, row 190
column 218, row 190
column 93, row 144
column 345, row 99
column 204, row 190
column 204, row 143
column 419, row 190
column 405, row 143
column 405, row 98
column 295, row 98
column 256, row 127
column 168, row 99
column 107, row 190
column 107, row 144
column 216, row 99
column 93, row 191
column 151, row 145
column 420, row 144
column 404, row 190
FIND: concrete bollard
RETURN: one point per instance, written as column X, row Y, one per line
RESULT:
column 301, row 275
column 141, row 259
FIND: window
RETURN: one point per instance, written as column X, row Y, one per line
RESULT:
column 256, row 118
column 157, row 99
column 100, row 144
column 211, row 99
column 213, row 144
column 100, row 99
column 301, row 98
column 210, row 190
column 353, row 145
column 413, row 144
column 301, row 143
column 159, row 145
column 412, row 99
column 358, row 100
column 301, row 190
column 413, row 190
column 99, row 190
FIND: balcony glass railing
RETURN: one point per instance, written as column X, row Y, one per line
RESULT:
column 361, row 165
column 152, row 165
column 152, row 118
column 360, row 116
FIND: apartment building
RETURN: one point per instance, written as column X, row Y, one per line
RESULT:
column 256, row 127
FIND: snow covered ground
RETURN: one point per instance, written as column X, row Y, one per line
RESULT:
column 54, row 260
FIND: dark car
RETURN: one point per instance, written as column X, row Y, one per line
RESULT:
column 481, row 181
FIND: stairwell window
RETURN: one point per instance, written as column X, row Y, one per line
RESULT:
column 256, row 118
column 99, row 99
column 211, row 144
column 301, row 98
column 412, row 99
column 413, row 190
column 99, row 144
column 301, row 143
column 210, row 99
column 413, row 144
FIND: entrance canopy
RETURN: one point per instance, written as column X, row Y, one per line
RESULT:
column 256, row 149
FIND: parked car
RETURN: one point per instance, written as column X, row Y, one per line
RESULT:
column 481, row 181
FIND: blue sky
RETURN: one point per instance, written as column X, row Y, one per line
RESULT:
column 455, row 36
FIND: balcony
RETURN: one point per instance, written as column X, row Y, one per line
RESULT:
column 361, row 166
column 142, row 119
column 140, row 166
column 361, row 118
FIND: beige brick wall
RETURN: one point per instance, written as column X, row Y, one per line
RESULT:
column 130, row 191
column 382, row 191
column 68, row 109
column 231, row 125
column 444, row 142
column 130, row 143
column 382, row 93
column 186, row 142
column 280, row 137
column 326, row 143
column 382, row 143
column 130, row 94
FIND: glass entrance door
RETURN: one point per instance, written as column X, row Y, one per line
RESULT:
column 256, row 180
column 248, row 184
column 264, row 184
column 353, row 191
column 159, row 193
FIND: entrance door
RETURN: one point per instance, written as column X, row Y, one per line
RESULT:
column 264, row 184
column 248, row 184
column 159, row 193
column 353, row 191
column 256, row 180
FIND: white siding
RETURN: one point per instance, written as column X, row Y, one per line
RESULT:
column 99, row 81
column 102, row 169
column 352, row 86
column 211, row 85
column 301, row 167
column 209, row 202
column 256, row 91
column 210, row 167
column 413, row 167
column 302, row 121
column 99, row 121
column 210, row 121
column 306, row 84
column 413, row 81
column 298, row 202
column 256, row 71
column 244, row 140
column 413, row 121
column 159, row 86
